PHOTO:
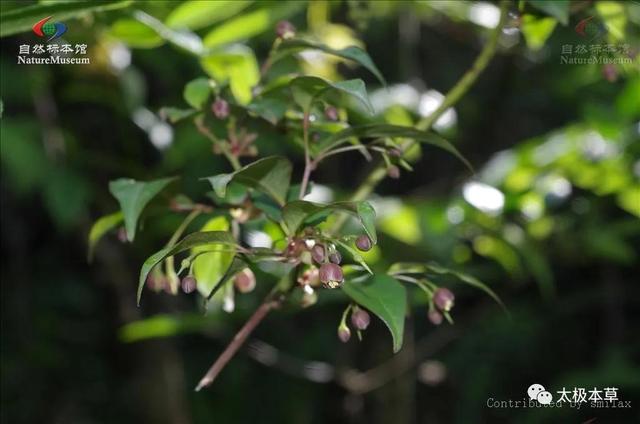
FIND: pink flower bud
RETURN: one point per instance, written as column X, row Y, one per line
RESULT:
column 245, row 281
column 331, row 275
column 189, row 284
column 344, row 334
column 435, row 317
column 220, row 108
column 285, row 29
column 393, row 172
column 360, row 319
column 363, row 243
column 317, row 252
column 335, row 257
column 331, row 113
column 443, row 299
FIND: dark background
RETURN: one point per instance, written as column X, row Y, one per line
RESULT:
column 566, row 267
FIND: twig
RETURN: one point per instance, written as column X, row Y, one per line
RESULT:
column 308, row 165
column 238, row 341
column 202, row 129
column 452, row 97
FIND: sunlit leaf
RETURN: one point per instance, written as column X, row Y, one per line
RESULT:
column 197, row 92
column 386, row 130
column 183, row 39
column 386, row 298
column 135, row 34
column 209, row 268
column 238, row 66
column 196, row 14
column 307, row 89
column 133, row 196
column 23, row 18
column 270, row 175
column 101, row 227
column 354, row 53
column 355, row 255
column 189, row 242
column 537, row 31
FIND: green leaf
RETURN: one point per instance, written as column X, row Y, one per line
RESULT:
column 307, row 89
column 185, row 40
column 270, row 175
column 197, row 92
column 189, row 242
column 295, row 213
column 133, row 196
column 238, row 66
column 559, row 9
column 390, row 131
column 23, row 18
column 196, row 14
column 357, row 257
column 537, row 31
column 250, row 24
column 174, row 114
column 135, row 34
column 354, row 53
column 268, row 108
column 101, row 227
column 386, row 298
column 209, row 268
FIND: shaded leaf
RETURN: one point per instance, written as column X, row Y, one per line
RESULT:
column 189, row 242
column 307, row 89
column 386, row 298
column 23, row 18
column 295, row 213
column 173, row 114
column 101, row 227
column 133, row 196
column 391, row 131
column 354, row 53
column 197, row 92
column 270, row 175
column 268, row 108
column 559, row 9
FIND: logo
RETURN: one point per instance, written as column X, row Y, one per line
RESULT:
column 590, row 28
column 52, row 30
column 539, row 393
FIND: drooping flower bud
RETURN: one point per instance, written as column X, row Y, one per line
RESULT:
column 122, row 235
column 220, row 108
column 310, row 277
column 245, row 281
column 443, row 298
column 317, row 252
column 331, row 275
column 344, row 334
column 393, row 172
column 335, row 257
column 360, row 319
column 285, row 29
column 331, row 113
column 189, row 284
column 363, row 243
column 435, row 317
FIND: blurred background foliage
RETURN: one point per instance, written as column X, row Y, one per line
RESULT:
column 550, row 220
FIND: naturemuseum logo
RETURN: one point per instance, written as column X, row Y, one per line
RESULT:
column 44, row 28
column 577, row 397
column 591, row 28
column 52, row 53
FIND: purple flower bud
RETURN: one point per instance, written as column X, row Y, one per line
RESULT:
column 245, row 281
column 122, row 235
column 285, row 29
column 435, row 317
column 220, row 108
column 393, row 172
column 395, row 152
column 331, row 275
column 610, row 72
column 360, row 319
column 443, row 299
column 363, row 243
column 189, row 284
column 344, row 334
column 335, row 257
column 331, row 113
column 317, row 252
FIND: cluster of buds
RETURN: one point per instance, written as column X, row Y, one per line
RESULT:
column 157, row 282
column 443, row 300
column 360, row 319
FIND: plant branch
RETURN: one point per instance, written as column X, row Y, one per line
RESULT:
column 452, row 97
column 202, row 129
column 238, row 340
column 308, row 164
